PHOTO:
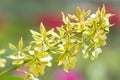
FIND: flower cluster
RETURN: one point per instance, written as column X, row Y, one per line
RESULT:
column 82, row 31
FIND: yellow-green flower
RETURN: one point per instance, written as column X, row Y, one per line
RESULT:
column 18, row 56
column 2, row 61
column 45, row 39
column 82, row 32
column 30, row 76
column 38, row 62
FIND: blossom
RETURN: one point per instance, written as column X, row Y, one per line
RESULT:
column 38, row 62
column 29, row 76
column 40, row 57
column 18, row 56
column 80, row 32
column 2, row 61
column 50, row 20
column 95, row 53
column 115, row 18
column 70, row 75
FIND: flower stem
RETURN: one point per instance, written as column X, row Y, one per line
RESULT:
column 9, row 70
column 12, row 69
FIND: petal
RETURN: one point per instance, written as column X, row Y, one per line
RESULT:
column 20, row 43
column 78, row 12
column 2, row 51
column 98, row 50
column 27, row 48
column 17, row 62
column 30, row 63
column 48, row 58
column 34, row 32
column 11, row 46
column 43, row 31
column 36, row 69
column 2, row 65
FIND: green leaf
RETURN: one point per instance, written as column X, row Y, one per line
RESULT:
column 11, row 46
column 20, row 43
column 11, row 78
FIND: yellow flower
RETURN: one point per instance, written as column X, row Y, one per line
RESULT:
column 30, row 76
column 18, row 56
column 82, row 31
column 44, row 40
column 2, row 61
column 38, row 62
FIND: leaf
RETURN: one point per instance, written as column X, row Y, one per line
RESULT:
column 11, row 78
column 20, row 43
column 27, row 48
column 43, row 31
column 2, row 51
column 11, row 46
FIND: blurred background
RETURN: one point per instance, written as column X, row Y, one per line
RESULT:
column 17, row 17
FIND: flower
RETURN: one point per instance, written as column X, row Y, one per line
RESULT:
column 50, row 20
column 95, row 53
column 2, row 61
column 30, row 76
column 38, row 62
column 70, row 75
column 115, row 18
column 18, row 56
column 40, row 57
column 81, row 31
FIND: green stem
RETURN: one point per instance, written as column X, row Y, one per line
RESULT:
column 12, row 69
column 9, row 70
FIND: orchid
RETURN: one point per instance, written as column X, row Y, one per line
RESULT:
column 82, row 32
column 18, row 56
column 2, row 61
